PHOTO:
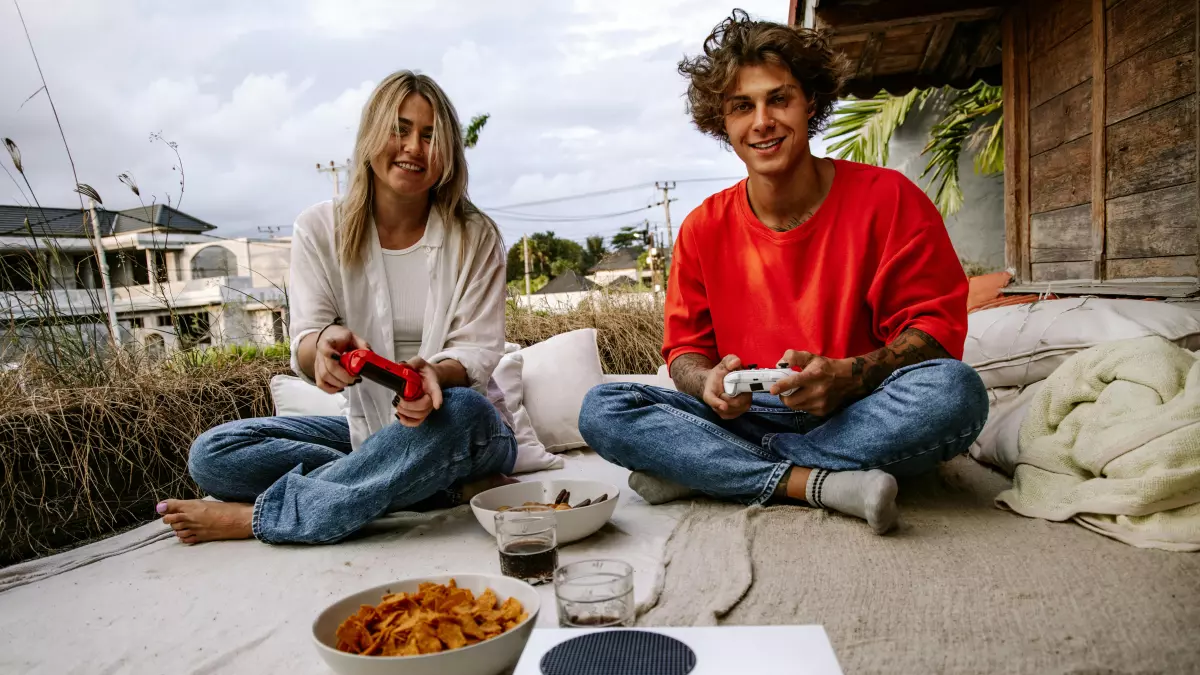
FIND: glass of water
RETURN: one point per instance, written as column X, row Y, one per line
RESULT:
column 594, row 593
column 528, row 543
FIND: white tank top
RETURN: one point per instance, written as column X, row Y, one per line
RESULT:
column 407, row 273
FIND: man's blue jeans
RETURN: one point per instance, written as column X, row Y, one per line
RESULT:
column 921, row 415
column 308, row 487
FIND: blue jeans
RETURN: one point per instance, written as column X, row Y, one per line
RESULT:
column 308, row 487
column 921, row 415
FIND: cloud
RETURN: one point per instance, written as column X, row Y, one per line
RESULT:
column 583, row 96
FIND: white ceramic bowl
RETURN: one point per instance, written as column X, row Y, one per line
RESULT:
column 489, row 657
column 571, row 524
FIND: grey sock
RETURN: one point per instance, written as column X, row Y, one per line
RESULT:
column 870, row 495
column 657, row 490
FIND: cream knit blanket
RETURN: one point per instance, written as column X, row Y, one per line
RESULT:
column 1113, row 441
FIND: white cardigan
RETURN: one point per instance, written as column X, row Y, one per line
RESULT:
column 464, row 313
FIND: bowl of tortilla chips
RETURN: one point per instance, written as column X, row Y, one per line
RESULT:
column 461, row 624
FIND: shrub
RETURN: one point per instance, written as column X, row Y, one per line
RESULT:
column 629, row 329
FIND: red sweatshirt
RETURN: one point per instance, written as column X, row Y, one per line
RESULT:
column 874, row 260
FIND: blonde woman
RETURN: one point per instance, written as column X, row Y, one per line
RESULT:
column 404, row 265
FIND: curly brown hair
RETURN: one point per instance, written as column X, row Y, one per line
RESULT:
column 741, row 41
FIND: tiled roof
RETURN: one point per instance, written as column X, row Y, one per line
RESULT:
column 56, row 222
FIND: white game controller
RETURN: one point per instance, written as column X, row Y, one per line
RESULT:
column 756, row 380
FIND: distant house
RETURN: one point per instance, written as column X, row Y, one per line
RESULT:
column 619, row 264
column 567, row 282
column 174, row 283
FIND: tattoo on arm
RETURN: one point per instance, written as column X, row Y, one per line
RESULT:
column 689, row 372
column 910, row 347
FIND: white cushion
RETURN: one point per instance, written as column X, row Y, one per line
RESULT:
column 531, row 454
column 1018, row 345
column 557, row 375
column 997, row 443
column 294, row 397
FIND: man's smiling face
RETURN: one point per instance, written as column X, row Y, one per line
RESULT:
column 766, row 119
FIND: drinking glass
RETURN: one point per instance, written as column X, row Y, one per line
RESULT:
column 528, row 543
column 594, row 593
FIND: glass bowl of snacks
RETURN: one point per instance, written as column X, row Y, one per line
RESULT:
column 580, row 506
column 462, row 624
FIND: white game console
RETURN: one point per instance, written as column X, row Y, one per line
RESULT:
column 756, row 381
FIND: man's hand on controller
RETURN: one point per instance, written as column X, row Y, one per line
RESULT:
column 726, row 407
column 822, row 386
column 413, row 413
column 328, row 372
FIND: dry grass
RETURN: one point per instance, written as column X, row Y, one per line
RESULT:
column 85, row 461
column 629, row 330
column 84, row 457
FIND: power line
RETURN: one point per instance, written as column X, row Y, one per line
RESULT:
column 598, row 193
column 547, row 218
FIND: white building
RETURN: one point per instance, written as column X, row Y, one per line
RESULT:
column 174, row 283
column 620, row 267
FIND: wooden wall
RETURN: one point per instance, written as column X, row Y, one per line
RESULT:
column 1101, row 139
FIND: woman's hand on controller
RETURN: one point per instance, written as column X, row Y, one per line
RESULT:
column 413, row 413
column 328, row 372
column 727, row 407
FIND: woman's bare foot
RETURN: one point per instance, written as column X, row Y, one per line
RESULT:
column 484, row 484
column 197, row 520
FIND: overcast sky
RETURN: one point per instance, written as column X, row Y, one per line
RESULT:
column 584, row 96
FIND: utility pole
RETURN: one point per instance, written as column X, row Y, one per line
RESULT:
column 102, row 265
column 666, row 187
column 525, row 242
column 335, row 169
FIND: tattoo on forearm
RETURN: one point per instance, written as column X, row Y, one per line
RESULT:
column 689, row 372
column 910, row 347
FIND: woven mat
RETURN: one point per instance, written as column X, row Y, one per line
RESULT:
column 961, row 587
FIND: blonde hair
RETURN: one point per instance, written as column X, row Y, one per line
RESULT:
column 379, row 120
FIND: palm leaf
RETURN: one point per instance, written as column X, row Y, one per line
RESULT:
column 861, row 130
column 952, row 133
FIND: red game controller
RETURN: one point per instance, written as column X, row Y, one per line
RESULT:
column 399, row 377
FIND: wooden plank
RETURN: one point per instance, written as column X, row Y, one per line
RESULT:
column 1061, row 119
column 915, row 29
column 1061, row 177
column 1156, row 75
column 1064, row 66
column 1099, row 161
column 900, row 63
column 1153, row 268
column 1134, row 25
column 1052, row 21
column 989, row 42
column 906, row 45
column 1061, row 236
column 1153, row 150
column 889, row 15
column 1016, row 142
column 1061, row 271
column 1127, row 289
column 939, row 39
column 1152, row 224
column 870, row 54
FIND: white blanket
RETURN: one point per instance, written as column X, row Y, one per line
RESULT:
column 141, row 602
column 1112, row 441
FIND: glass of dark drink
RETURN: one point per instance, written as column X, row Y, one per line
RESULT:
column 528, row 543
column 594, row 594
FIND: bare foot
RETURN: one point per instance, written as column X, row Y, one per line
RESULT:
column 197, row 520
column 484, row 484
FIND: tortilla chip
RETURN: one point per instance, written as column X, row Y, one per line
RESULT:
column 451, row 635
column 434, row 619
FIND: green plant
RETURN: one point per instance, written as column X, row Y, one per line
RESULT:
column 476, row 125
column 862, row 130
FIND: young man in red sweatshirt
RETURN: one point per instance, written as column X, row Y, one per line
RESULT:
column 841, row 270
